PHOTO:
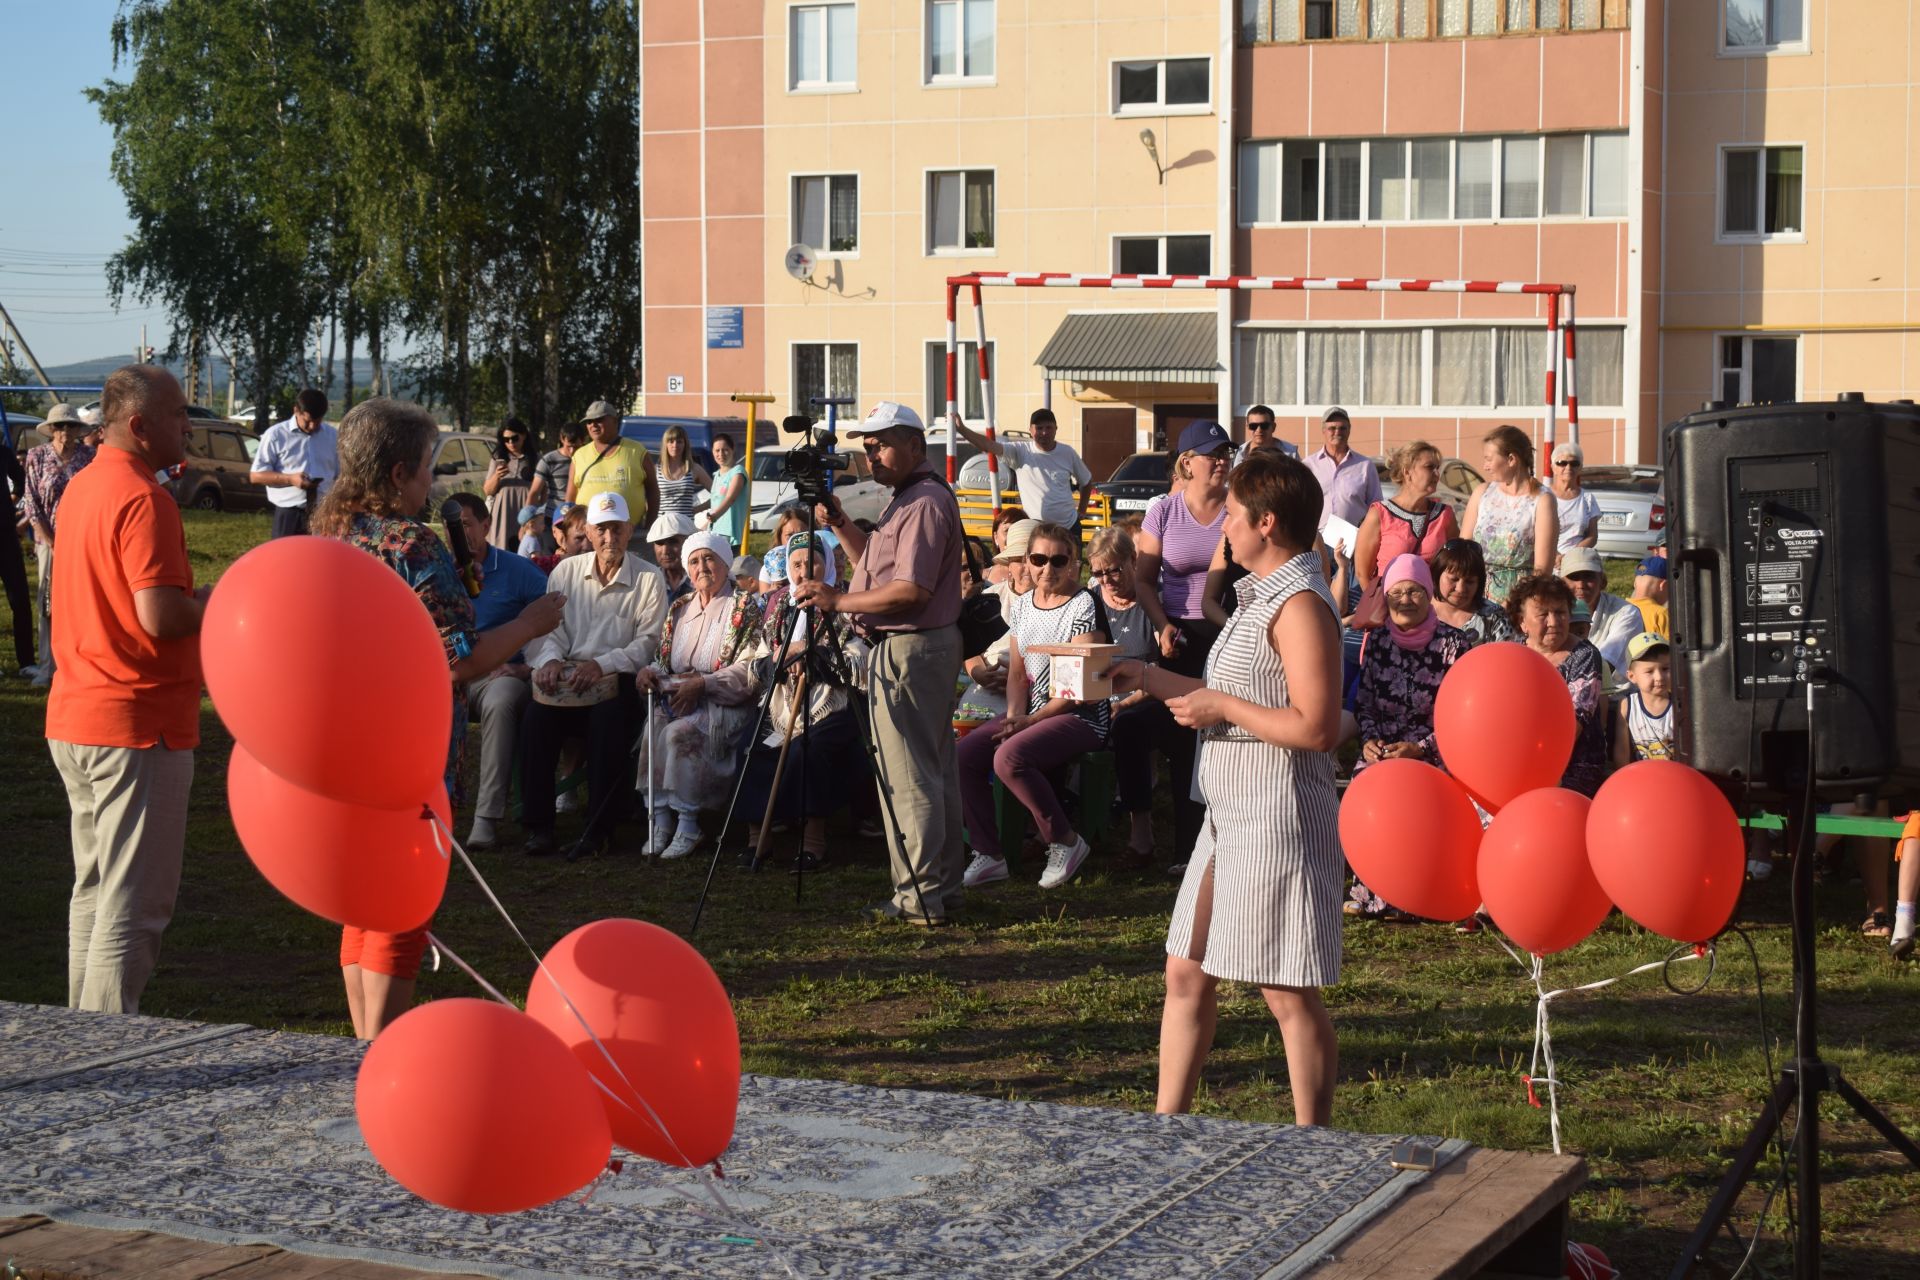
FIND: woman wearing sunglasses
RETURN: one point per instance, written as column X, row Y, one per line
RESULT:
column 1039, row 732
column 508, row 484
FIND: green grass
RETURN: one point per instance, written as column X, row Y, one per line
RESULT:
column 1056, row 996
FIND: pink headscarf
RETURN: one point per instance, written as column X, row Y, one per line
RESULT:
column 1407, row 567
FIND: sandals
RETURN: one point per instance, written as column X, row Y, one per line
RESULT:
column 1878, row 924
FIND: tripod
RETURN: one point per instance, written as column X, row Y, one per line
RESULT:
column 1802, row 1080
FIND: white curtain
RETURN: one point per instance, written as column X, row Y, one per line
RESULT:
column 1333, row 367
column 1286, row 19
column 1609, row 175
column 1484, row 16
column 1548, row 18
column 1347, row 19
column 1600, row 360
column 1453, row 17
column 845, row 222
column 1566, row 162
column 1474, row 189
column 1387, row 180
column 1584, row 15
column 1463, row 366
column 1393, row 367
column 1267, row 372
column 1520, row 178
column 1519, row 15
column 810, row 211
column 1520, row 367
column 843, row 369
column 1430, row 190
column 1259, row 181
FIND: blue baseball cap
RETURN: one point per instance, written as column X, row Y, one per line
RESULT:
column 1204, row 437
column 1652, row 567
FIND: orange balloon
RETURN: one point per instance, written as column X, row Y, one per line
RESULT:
column 475, row 1106
column 661, row 1012
column 329, row 671
column 1534, row 874
column 375, row 869
column 1412, row 835
column 1665, row 844
column 1504, row 722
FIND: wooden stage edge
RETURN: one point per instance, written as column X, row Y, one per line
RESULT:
column 1486, row 1214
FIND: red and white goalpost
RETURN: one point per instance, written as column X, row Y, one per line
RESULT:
column 1559, row 373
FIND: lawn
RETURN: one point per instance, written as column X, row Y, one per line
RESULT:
column 1055, row 996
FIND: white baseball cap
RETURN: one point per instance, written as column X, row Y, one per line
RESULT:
column 607, row 507
column 887, row 414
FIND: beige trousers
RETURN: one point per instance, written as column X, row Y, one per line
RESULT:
column 910, row 697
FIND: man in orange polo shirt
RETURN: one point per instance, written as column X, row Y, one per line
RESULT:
column 124, row 715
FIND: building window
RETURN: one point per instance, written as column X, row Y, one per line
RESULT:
column 822, row 370
column 1163, row 255
column 820, row 46
column 1520, row 178
column 959, row 39
column 971, row 404
column 1162, row 86
column 1396, row 19
column 1760, row 189
column 1290, row 21
column 1755, row 26
column 1490, row 368
column 1759, row 370
column 959, row 210
column 826, row 212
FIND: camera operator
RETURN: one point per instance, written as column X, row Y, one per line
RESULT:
column 906, row 594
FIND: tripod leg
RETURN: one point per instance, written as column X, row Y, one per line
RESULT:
column 1737, row 1177
column 1877, row 1118
column 779, row 769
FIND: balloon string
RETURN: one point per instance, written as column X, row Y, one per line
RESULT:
column 709, row 1178
column 1543, row 1030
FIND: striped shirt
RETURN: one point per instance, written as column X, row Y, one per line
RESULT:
column 678, row 495
column 1033, row 625
column 1186, row 549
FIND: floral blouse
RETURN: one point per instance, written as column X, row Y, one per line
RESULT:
column 412, row 550
column 741, row 637
column 1585, row 675
column 47, row 477
column 1397, row 687
column 1489, row 622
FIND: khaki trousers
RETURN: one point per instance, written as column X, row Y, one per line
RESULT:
column 129, row 837
column 498, row 703
column 910, row 697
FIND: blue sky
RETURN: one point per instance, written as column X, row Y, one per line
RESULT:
column 61, row 215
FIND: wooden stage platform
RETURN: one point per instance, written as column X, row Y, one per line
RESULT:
column 1486, row 1213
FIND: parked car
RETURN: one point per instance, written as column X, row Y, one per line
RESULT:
column 1633, row 508
column 648, row 430
column 861, row 496
column 199, row 412
column 218, row 462
column 1138, row 480
column 23, row 431
column 1458, row 479
column 460, row 465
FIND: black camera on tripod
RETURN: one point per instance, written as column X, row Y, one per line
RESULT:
column 809, row 465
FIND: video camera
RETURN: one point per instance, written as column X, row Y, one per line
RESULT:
column 811, row 462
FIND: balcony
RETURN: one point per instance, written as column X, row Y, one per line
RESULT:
column 1306, row 21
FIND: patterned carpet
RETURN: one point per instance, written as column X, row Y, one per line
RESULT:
column 238, row 1135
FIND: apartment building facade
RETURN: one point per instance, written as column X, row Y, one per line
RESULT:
column 1725, row 182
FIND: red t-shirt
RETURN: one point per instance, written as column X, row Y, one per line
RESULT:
column 116, row 686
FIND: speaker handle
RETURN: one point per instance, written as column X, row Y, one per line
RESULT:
column 1706, row 580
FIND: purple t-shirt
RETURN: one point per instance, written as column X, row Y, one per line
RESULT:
column 1186, row 550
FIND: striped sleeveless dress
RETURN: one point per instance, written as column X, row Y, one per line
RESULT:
column 1272, row 828
column 678, row 495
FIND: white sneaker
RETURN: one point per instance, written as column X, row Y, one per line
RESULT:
column 1759, row 868
column 31, row 673
column 567, row 802
column 685, row 840
column 482, row 835
column 42, row 678
column 662, row 832
column 984, row 870
column 1063, row 863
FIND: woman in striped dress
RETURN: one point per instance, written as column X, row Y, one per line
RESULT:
column 681, row 478
column 1261, row 899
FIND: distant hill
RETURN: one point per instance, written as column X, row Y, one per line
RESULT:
column 94, row 372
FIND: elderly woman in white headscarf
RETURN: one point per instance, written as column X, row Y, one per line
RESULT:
column 825, row 740
column 706, row 684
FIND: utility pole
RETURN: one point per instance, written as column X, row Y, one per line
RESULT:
column 27, row 351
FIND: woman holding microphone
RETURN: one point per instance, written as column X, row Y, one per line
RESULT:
column 1261, row 899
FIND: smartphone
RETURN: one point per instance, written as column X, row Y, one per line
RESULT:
column 1414, row 1157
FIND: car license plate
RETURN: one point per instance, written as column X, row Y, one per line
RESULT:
column 1131, row 504
column 1613, row 519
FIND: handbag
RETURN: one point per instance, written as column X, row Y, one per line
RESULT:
column 1371, row 612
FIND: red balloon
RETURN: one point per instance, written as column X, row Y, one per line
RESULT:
column 1666, row 846
column 475, row 1106
column 375, row 869
column 329, row 671
column 661, row 1012
column 1504, row 721
column 1412, row 835
column 1534, row 874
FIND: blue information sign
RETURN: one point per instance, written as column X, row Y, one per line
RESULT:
column 726, row 327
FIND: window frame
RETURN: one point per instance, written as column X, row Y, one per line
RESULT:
column 797, row 86
column 1160, row 106
column 1789, row 48
column 937, row 398
column 793, row 354
column 931, row 250
column 1746, row 340
column 965, row 79
column 1161, row 237
column 1760, row 234
column 793, row 211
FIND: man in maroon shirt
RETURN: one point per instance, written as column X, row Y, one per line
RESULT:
column 906, row 594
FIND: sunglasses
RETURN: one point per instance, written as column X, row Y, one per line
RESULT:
column 1566, row 463
column 1259, row 426
column 1104, row 574
column 514, row 439
column 1039, row 561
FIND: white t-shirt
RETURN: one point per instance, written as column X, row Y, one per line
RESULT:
column 1046, row 480
column 1575, row 514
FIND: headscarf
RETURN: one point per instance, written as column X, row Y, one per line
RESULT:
column 821, row 554
column 1408, row 567
column 709, row 541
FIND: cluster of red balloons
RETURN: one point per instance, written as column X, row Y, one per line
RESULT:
column 1658, row 840
column 335, row 785
column 480, row 1107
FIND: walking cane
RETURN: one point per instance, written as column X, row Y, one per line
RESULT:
column 780, row 767
column 650, row 751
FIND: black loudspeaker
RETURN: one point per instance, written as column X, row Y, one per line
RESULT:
column 1795, row 558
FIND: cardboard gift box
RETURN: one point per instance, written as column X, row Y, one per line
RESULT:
column 1077, row 670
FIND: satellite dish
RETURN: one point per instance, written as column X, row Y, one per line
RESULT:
column 801, row 260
